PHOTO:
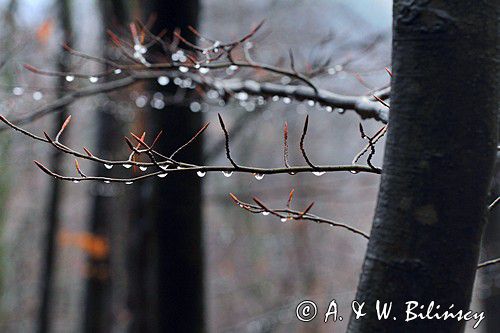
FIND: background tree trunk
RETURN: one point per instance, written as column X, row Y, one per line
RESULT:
column 53, row 204
column 107, row 219
column 176, row 202
column 171, row 208
column 438, row 163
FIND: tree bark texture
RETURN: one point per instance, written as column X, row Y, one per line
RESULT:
column 55, row 191
column 438, row 163
column 173, row 205
column 491, row 249
column 105, row 280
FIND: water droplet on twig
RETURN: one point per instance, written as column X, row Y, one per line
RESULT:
column 285, row 80
column 242, row 96
column 195, row 106
column 18, row 91
column 37, row 95
column 163, row 80
column 141, row 101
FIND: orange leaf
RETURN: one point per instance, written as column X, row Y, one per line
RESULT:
column 94, row 245
column 44, row 31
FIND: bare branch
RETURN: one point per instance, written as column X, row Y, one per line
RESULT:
column 287, row 214
column 166, row 163
column 371, row 144
column 195, row 66
column 362, row 105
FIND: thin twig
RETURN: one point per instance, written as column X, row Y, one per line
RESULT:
column 373, row 140
column 201, row 130
column 302, row 138
column 226, row 136
column 488, row 263
column 494, row 203
column 285, row 145
column 166, row 162
column 290, row 214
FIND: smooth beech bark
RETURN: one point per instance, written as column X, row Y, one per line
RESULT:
column 438, row 163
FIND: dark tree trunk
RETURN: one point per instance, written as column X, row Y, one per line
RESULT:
column 107, row 217
column 172, row 208
column 438, row 163
column 176, row 202
column 491, row 249
column 54, row 201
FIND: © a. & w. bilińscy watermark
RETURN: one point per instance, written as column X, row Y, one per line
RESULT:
column 308, row 310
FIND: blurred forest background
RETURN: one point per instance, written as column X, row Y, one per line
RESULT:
column 176, row 254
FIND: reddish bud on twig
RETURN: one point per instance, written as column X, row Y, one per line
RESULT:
column 63, row 127
column 388, row 71
column 88, row 152
column 381, row 101
column 77, row 166
column 114, row 38
column 31, row 68
column 133, row 30
column 234, row 198
column 290, row 198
